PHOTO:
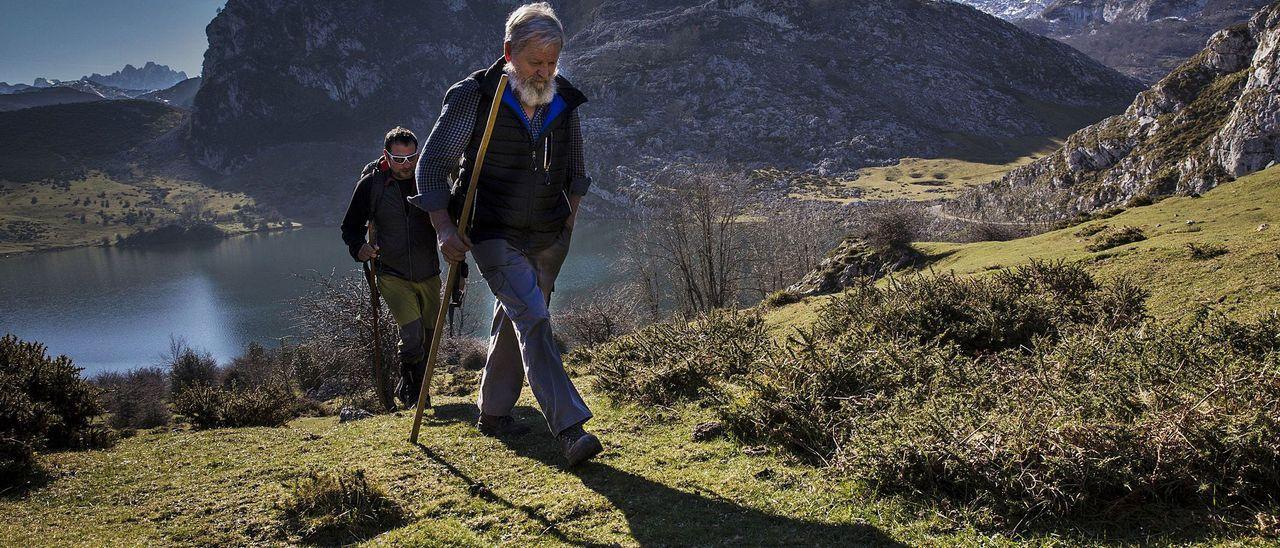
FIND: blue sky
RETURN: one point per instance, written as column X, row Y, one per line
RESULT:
column 67, row 39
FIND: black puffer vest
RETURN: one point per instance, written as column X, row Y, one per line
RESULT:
column 403, row 233
column 523, row 191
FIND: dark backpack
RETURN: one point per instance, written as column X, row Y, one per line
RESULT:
column 375, row 192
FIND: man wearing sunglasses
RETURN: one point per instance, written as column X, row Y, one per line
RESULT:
column 403, row 248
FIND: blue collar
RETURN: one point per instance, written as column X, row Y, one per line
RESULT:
column 556, row 107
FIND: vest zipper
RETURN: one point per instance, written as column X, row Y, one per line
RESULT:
column 408, row 235
column 546, row 159
column 533, row 191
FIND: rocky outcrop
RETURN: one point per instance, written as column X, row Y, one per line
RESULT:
column 1249, row 140
column 853, row 261
column 1145, row 39
column 824, row 87
column 1010, row 10
column 1213, row 119
column 1075, row 15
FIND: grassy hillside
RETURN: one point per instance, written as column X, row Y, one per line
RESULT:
column 1239, row 222
column 86, row 211
column 652, row 486
column 1236, row 272
column 78, row 174
column 915, row 179
column 62, row 141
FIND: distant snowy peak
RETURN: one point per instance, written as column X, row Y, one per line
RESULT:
column 1010, row 10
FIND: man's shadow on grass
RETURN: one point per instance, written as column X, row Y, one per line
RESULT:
column 659, row 514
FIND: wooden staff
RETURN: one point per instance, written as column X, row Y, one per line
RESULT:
column 451, row 279
column 379, row 372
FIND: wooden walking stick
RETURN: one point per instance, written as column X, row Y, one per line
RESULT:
column 379, row 369
column 451, row 279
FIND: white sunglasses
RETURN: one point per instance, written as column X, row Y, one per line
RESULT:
column 402, row 159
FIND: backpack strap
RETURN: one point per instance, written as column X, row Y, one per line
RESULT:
column 375, row 193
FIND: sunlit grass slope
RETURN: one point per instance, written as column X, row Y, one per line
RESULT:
column 1235, row 228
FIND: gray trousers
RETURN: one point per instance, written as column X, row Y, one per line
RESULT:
column 521, row 345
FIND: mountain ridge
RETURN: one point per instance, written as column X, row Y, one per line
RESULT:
column 1210, row 121
column 668, row 81
column 149, row 77
column 1142, row 38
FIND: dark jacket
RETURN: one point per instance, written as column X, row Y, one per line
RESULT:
column 403, row 233
column 523, row 191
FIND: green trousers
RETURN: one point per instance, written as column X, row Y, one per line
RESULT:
column 414, row 306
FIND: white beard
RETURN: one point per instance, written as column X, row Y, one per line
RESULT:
column 529, row 93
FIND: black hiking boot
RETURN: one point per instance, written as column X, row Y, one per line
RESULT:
column 402, row 391
column 500, row 426
column 411, row 384
column 578, row 445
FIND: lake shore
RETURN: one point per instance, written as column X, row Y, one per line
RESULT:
column 228, row 231
column 220, row 295
column 99, row 209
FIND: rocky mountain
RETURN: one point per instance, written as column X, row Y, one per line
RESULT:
column 181, row 94
column 1216, row 117
column 7, row 88
column 101, row 90
column 1073, row 16
column 1142, row 38
column 46, row 92
column 1010, row 10
column 128, row 82
column 148, row 78
column 830, row 87
column 797, row 86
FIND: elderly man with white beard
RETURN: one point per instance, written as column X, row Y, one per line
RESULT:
column 532, row 180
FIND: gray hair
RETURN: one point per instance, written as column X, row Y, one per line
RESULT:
column 534, row 24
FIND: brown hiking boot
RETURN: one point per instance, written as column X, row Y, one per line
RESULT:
column 500, row 426
column 578, row 445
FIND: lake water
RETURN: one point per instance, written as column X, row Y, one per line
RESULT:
column 116, row 308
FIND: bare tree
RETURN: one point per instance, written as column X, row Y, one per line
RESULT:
column 608, row 313
column 710, row 237
column 787, row 239
column 336, row 322
column 692, row 236
column 193, row 210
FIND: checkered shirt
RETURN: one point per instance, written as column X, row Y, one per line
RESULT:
column 448, row 140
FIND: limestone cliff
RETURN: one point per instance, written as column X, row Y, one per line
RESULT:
column 1213, row 119
column 823, row 86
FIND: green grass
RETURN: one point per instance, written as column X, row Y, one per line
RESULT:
column 652, row 486
column 915, row 179
column 52, row 221
column 1243, row 281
